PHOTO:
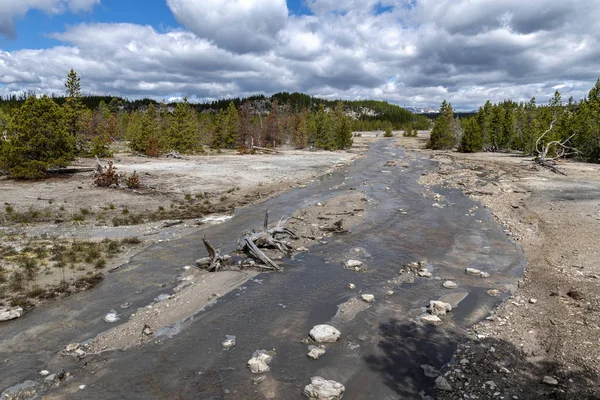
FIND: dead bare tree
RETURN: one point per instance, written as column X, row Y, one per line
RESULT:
column 558, row 148
column 214, row 262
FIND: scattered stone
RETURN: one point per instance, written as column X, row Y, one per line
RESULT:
column 325, row 334
column 369, row 298
column 302, row 249
column 50, row 378
column 72, row 347
column 316, row 351
column 258, row 380
column 424, row 273
column 475, row 271
column 111, row 317
column 442, row 384
column 260, row 361
column 533, row 301
column 450, row 285
column 351, row 286
column 229, row 341
column 493, row 292
column 431, row 319
column 9, row 313
column 81, row 387
column 44, row 372
column 322, row 389
column 429, row 371
column 548, row 380
column 353, row 264
column 80, row 352
column 389, row 292
column 126, row 305
column 147, row 330
column 437, row 205
column 439, row 307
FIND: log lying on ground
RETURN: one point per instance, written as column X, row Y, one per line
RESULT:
column 336, row 228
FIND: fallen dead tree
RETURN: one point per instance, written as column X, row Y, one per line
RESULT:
column 559, row 148
column 250, row 246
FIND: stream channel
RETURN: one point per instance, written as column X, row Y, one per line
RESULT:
column 381, row 350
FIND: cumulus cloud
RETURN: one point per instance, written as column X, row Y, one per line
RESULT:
column 404, row 51
column 11, row 9
column 242, row 26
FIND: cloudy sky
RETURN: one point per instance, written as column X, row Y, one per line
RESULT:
column 410, row 52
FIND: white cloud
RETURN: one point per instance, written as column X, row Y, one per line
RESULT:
column 238, row 25
column 464, row 51
column 11, row 9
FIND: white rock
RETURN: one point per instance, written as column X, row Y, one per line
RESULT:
column 72, row 347
column 325, row 334
column 302, row 249
column 472, row 271
column 353, row 264
column 431, row 319
column 229, row 341
column 369, row 298
column 424, row 273
column 112, row 316
column 260, row 361
column 351, row 286
column 439, row 307
column 80, row 352
column 50, row 378
column 44, row 372
column 493, row 292
column 316, row 351
column 450, row 285
column 81, row 387
column 548, row 380
column 322, row 389
column 389, row 292
column 8, row 313
column 484, row 274
column 533, row 301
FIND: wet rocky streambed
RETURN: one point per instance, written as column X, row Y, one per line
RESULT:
column 384, row 351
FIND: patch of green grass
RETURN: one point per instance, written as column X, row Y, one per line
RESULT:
column 100, row 263
column 84, row 211
column 78, row 217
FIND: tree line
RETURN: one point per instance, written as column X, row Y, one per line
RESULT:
column 41, row 133
column 525, row 127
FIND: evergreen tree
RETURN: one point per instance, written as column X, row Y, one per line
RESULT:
column 342, row 128
column 323, row 135
column 74, row 107
column 37, row 139
column 472, row 139
column 227, row 128
column 301, row 135
column 182, row 134
column 443, row 132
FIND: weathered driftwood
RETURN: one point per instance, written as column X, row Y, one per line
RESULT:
column 73, row 170
column 215, row 262
column 268, row 238
column 560, row 148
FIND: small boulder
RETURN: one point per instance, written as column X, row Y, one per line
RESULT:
column 322, row 389
column 472, row 271
column 325, row 334
column 369, row 298
column 389, row 292
column 548, row 380
column 442, row 384
column 353, row 264
column 111, row 317
column 9, row 313
column 431, row 319
column 229, row 342
column 439, row 307
column 316, row 351
column 429, row 371
column 260, row 361
column 450, row 285
column 351, row 286
column 424, row 273
column 493, row 292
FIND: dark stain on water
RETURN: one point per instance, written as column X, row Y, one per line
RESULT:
column 382, row 348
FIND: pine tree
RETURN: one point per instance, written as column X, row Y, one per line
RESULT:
column 323, row 135
column 300, row 136
column 182, row 133
column 227, row 128
column 74, row 108
column 37, row 139
column 472, row 139
column 443, row 132
column 342, row 128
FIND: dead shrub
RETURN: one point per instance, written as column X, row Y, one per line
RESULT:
column 133, row 181
column 108, row 177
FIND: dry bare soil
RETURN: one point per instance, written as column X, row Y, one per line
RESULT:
column 544, row 342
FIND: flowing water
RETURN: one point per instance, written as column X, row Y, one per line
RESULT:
column 381, row 349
